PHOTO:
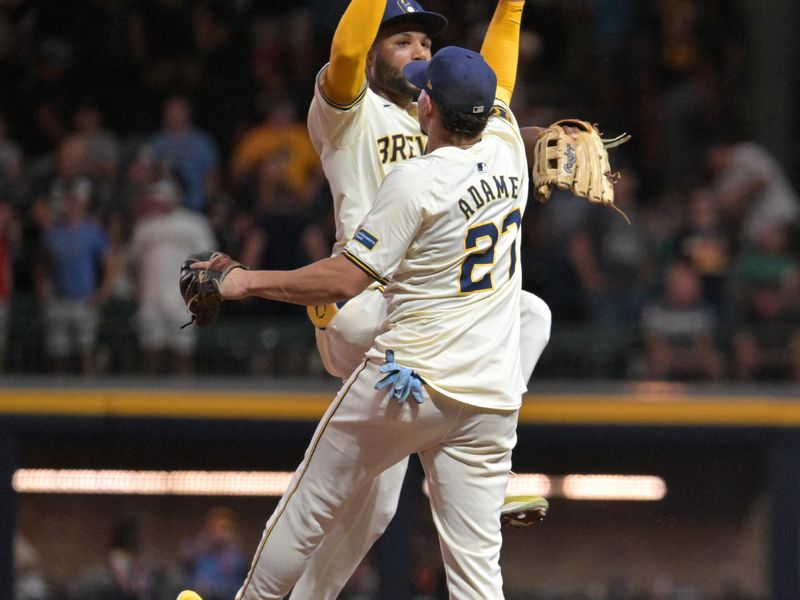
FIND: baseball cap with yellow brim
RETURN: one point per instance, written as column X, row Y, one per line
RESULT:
column 456, row 78
column 411, row 11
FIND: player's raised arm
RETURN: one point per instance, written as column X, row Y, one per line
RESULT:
column 345, row 76
column 501, row 45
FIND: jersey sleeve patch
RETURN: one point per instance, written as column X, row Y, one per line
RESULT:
column 366, row 239
column 501, row 111
column 364, row 267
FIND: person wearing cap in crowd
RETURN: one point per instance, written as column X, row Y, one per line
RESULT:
column 363, row 124
column 443, row 238
column 189, row 151
column 72, row 279
column 161, row 238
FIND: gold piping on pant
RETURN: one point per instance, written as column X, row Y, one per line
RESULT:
column 314, row 443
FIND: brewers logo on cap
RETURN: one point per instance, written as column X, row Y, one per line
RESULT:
column 404, row 11
column 405, row 6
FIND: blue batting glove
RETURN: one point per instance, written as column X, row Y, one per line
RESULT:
column 404, row 381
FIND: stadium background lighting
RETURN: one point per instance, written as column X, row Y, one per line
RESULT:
column 273, row 483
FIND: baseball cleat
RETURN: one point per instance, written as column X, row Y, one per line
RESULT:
column 188, row 595
column 518, row 511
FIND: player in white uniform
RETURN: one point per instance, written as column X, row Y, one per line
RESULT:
column 363, row 123
column 443, row 237
column 362, row 129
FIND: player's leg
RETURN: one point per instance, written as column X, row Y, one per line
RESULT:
column 348, row 333
column 534, row 331
column 363, row 433
column 344, row 334
column 362, row 522
column 534, row 325
column 467, row 478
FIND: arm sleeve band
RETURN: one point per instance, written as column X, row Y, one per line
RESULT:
column 501, row 46
column 345, row 76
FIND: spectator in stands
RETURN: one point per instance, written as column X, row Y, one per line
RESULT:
column 102, row 153
column 703, row 243
column 141, row 171
column 162, row 238
column 187, row 151
column 609, row 258
column 9, row 237
column 766, row 341
column 549, row 247
column 679, row 330
column 29, row 582
column 102, row 146
column 754, row 190
column 118, row 340
column 279, row 132
column 280, row 214
column 50, row 190
column 75, row 250
column 127, row 574
column 214, row 561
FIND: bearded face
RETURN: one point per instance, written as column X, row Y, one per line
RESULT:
column 390, row 78
column 395, row 47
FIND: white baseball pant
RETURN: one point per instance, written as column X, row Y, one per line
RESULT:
column 465, row 452
column 342, row 346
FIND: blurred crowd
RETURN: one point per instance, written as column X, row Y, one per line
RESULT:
column 214, row 563
column 134, row 134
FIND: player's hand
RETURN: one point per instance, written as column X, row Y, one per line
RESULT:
column 404, row 381
column 231, row 284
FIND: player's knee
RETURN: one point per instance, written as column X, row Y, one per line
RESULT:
column 535, row 314
column 359, row 321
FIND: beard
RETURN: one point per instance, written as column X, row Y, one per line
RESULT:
column 391, row 79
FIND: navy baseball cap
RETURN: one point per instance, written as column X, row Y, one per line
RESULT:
column 456, row 78
column 398, row 11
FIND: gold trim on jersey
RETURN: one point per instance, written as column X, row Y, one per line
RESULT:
column 336, row 105
column 365, row 267
column 289, row 493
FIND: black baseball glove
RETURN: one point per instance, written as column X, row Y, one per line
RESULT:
column 200, row 288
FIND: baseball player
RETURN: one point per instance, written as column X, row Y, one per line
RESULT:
column 362, row 122
column 443, row 238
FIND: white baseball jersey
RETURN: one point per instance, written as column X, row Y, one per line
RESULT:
column 443, row 236
column 359, row 144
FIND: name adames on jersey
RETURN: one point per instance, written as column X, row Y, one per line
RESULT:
column 486, row 191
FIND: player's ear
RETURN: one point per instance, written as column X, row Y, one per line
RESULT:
column 424, row 104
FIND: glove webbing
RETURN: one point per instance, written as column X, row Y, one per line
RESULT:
column 616, row 175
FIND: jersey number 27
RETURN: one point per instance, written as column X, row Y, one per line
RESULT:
column 485, row 256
